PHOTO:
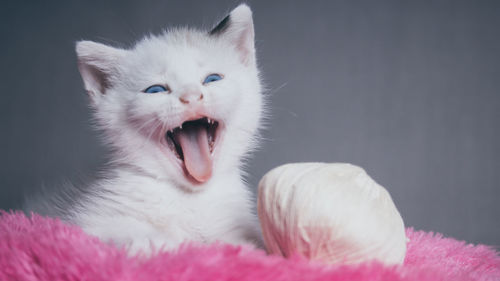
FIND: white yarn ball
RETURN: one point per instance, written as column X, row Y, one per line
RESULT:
column 334, row 213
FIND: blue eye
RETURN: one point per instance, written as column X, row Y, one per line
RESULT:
column 212, row 78
column 155, row 89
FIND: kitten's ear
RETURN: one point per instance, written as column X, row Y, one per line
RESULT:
column 97, row 64
column 237, row 27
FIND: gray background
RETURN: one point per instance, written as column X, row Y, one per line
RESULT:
column 407, row 90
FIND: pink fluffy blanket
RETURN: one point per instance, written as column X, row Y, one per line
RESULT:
column 40, row 248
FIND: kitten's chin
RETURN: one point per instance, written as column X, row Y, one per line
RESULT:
column 192, row 148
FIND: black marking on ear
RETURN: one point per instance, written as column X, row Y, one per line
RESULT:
column 221, row 27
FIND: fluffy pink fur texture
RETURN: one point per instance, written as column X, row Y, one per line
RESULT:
column 40, row 248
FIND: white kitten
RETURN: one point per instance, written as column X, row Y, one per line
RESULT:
column 180, row 111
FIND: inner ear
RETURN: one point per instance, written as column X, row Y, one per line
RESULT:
column 97, row 79
column 98, row 64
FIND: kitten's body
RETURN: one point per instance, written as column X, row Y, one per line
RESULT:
column 138, row 211
column 165, row 190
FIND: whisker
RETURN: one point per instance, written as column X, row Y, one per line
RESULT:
column 154, row 131
column 145, row 124
column 272, row 91
column 151, row 133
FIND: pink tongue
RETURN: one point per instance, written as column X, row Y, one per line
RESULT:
column 193, row 140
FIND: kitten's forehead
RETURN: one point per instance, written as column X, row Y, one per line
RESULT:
column 181, row 43
column 180, row 52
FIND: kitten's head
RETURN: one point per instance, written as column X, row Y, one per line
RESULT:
column 183, row 106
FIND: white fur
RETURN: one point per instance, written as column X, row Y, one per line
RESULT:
column 145, row 200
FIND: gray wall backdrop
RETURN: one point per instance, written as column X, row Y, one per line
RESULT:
column 409, row 90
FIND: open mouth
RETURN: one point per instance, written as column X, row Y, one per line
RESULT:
column 193, row 143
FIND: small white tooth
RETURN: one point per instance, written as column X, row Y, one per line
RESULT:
column 180, row 126
column 209, row 121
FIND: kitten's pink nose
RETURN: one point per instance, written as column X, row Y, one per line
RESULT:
column 191, row 97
